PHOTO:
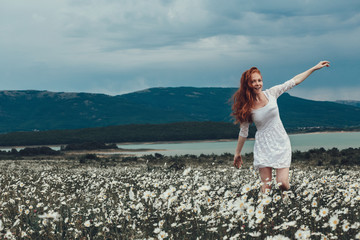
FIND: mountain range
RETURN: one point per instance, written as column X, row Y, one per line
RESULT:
column 31, row 110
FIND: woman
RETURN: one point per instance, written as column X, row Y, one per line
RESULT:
column 272, row 147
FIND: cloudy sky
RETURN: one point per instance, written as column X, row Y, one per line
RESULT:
column 120, row 46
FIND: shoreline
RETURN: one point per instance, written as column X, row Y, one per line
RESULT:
column 322, row 132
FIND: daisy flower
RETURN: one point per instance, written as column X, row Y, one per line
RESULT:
column 162, row 235
column 324, row 212
column 87, row 223
column 346, row 226
column 333, row 222
column 302, row 234
column 266, row 201
column 238, row 205
column 246, row 188
column 250, row 211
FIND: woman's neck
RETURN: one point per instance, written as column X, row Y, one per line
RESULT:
column 259, row 97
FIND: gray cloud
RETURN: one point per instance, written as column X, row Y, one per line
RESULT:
column 119, row 46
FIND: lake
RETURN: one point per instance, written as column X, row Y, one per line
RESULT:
column 301, row 142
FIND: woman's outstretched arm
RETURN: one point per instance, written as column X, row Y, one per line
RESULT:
column 302, row 76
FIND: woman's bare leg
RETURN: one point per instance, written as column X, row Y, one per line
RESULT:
column 282, row 177
column 266, row 176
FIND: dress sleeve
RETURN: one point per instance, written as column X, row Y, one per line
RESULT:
column 244, row 129
column 277, row 90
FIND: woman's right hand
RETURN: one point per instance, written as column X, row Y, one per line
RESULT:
column 238, row 161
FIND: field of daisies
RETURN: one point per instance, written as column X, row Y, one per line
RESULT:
column 58, row 200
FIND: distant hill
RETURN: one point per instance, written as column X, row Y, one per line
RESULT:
column 43, row 110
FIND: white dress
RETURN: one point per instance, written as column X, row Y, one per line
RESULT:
column 272, row 145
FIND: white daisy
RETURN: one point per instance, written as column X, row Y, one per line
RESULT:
column 333, row 222
column 87, row 223
column 346, row 226
column 324, row 212
column 162, row 235
column 302, row 234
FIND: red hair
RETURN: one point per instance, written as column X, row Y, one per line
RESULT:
column 244, row 97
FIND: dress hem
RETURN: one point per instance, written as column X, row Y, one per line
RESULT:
column 262, row 166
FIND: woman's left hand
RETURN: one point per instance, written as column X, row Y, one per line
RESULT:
column 321, row 64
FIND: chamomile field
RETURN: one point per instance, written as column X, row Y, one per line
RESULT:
column 58, row 200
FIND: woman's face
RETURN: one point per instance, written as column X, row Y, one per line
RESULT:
column 256, row 82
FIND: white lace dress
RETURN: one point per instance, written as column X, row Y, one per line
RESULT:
column 272, row 145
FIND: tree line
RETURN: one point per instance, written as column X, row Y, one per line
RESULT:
column 179, row 131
